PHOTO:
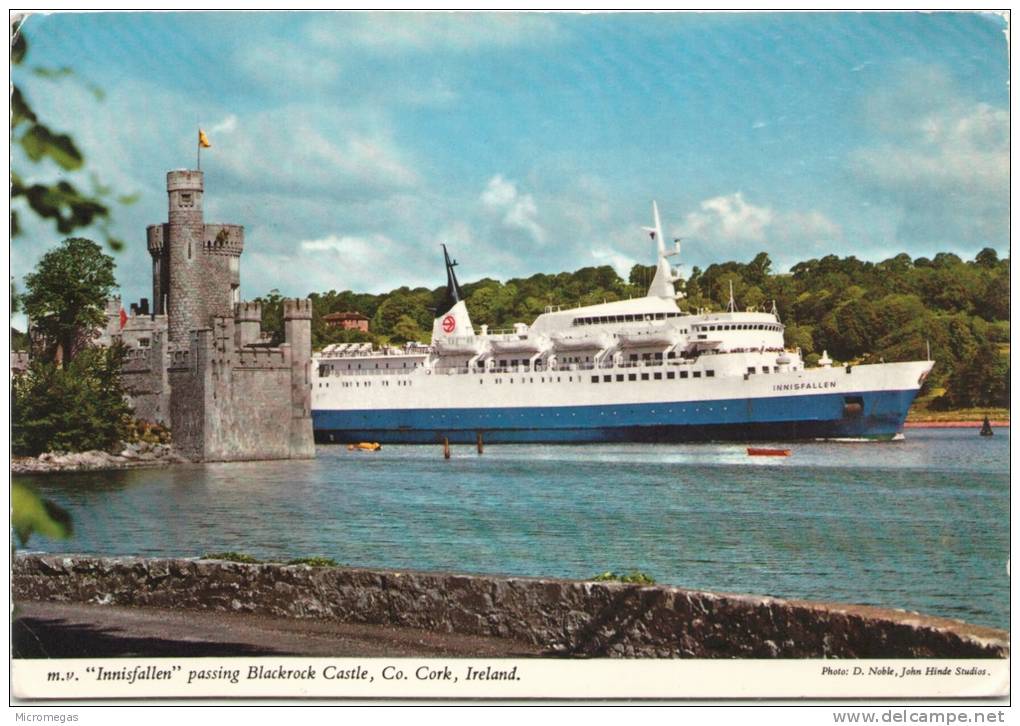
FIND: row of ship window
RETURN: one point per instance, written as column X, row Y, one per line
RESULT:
column 670, row 375
column 618, row 377
column 741, row 326
column 327, row 369
column 366, row 384
column 637, row 318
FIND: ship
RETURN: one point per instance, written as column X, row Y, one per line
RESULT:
column 636, row 370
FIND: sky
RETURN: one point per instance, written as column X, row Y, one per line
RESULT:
column 350, row 145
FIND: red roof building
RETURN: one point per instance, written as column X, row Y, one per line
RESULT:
column 347, row 321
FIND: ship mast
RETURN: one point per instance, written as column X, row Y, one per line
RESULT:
column 662, row 283
column 453, row 292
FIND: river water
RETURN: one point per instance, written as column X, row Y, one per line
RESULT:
column 920, row 524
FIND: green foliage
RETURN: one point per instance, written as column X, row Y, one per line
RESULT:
column 980, row 380
column 66, row 297
column 315, row 562
column 75, row 407
column 61, row 201
column 272, row 315
column 231, row 557
column 634, row 577
column 31, row 514
column 19, row 340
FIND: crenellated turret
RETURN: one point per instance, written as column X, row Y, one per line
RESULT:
column 195, row 266
column 248, row 322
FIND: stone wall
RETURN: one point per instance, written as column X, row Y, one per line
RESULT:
column 238, row 404
column 582, row 619
column 144, row 373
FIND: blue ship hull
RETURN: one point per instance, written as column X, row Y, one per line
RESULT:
column 872, row 415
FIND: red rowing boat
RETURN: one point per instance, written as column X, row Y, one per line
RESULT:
column 768, row 452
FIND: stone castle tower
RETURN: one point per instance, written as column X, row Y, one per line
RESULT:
column 195, row 266
column 198, row 361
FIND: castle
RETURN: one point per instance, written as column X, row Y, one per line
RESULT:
column 198, row 360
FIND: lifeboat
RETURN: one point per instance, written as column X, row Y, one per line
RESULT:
column 365, row 446
column 458, row 345
column 562, row 341
column 648, row 336
column 518, row 344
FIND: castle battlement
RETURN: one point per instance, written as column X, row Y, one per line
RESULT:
column 248, row 311
column 155, row 238
column 264, row 358
column 297, row 309
column 224, row 239
column 184, row 179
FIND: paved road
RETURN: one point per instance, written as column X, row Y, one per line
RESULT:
column 73, row 630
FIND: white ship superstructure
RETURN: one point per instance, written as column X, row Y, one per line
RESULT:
column 628, row 370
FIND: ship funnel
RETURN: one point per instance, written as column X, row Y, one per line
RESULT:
column 453, row 292
column 452, row 319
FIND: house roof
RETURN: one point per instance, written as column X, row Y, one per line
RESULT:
column 344, row 316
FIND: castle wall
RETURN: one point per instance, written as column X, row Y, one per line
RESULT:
column 144, row 371
column 221, row 267
column 145, row 381
column 297, row 322
column 238, row 404
column 189, row 376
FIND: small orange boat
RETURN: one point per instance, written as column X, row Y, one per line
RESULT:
column 768, row 452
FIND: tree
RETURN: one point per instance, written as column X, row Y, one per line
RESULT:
column 759, row 269
column 406, row 330
column 272, row 316
column 61, row 201
column 981, row 380
column 66, row 297
column 987, row 258
column 74, row 407
column 399, row 304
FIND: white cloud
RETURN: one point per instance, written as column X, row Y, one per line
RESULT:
column 617, row 260
column 226, row 126
column 517, row 211
column 299, row 151
column 728, row 218
column 286, row 66
column 396, row 33
column 729, row 227
column 365, row 263
column 942, row 162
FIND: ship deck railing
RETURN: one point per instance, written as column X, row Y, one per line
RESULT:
column 506, row 370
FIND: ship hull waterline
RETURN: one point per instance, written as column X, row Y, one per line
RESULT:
column 879, row 415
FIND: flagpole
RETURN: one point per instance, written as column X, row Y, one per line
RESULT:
column 199, row 164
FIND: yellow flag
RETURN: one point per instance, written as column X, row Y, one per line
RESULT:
column 203, row 140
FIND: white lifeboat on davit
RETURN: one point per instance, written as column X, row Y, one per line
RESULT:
column 518, row 344
column 459, row 345
column 596, row 341
column 649, row 335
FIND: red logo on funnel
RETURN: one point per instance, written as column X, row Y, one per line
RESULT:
column 449, row 324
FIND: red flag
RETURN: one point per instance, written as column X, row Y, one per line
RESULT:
column 123, row 318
